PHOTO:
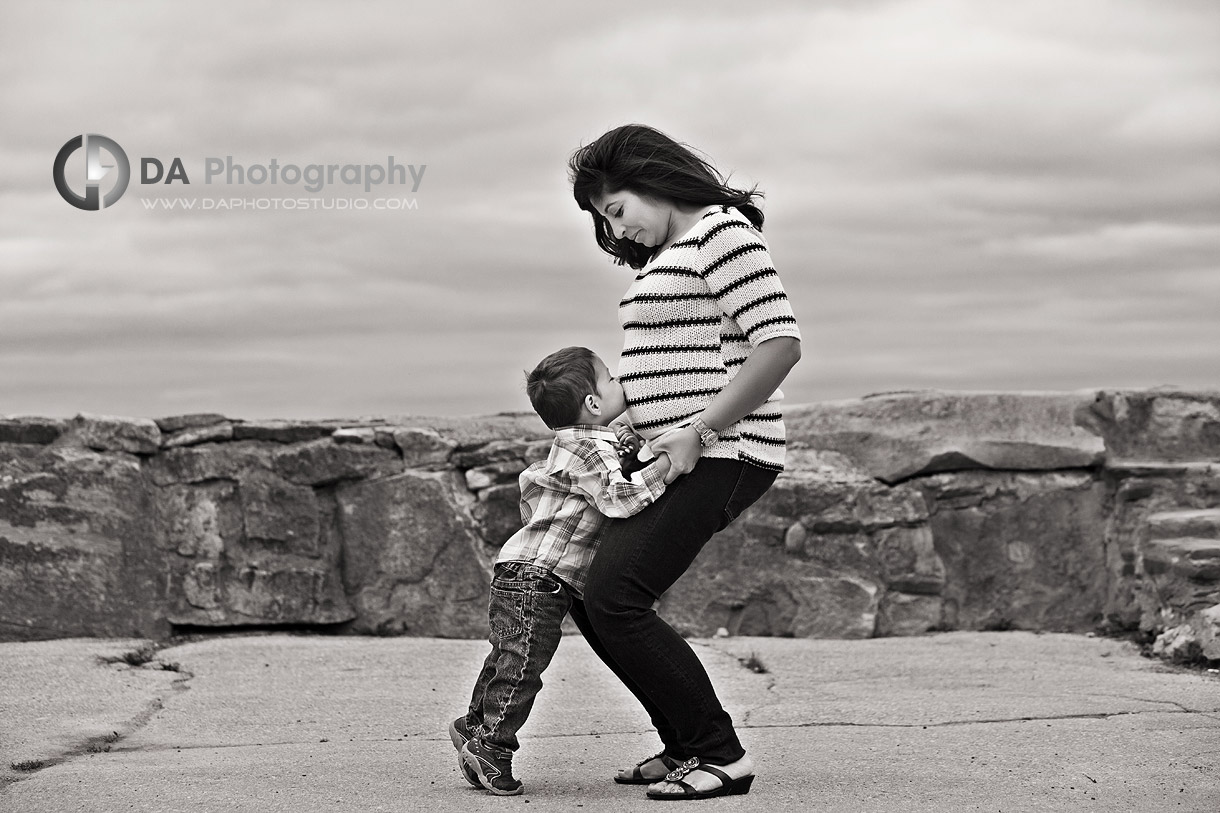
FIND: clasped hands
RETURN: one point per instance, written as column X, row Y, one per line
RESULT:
column 681, row 444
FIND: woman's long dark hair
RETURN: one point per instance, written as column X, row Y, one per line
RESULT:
column 647, row 162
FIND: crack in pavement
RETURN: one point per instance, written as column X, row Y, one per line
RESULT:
column 330, row 741
column 111, row 743
column 644, row 732
column 1208, row 713
column 772, row 682
column 1101, row 715
column 1160, row 702
column 102, row 743
column 99, row 744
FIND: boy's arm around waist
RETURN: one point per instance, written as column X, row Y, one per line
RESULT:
column 603, row 483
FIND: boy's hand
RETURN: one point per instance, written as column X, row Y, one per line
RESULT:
column 629, row 442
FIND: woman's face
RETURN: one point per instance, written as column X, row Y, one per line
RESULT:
column 641, row 219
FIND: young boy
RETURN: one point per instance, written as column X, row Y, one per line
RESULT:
column 564, row 503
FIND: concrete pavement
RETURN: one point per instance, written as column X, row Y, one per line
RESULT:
column 954, row 722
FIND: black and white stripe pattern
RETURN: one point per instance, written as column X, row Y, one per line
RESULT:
column 690, row 319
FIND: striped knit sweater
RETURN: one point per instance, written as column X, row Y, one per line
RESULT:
column 690, row 319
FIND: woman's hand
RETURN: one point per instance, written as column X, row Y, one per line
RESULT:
column 684, row 450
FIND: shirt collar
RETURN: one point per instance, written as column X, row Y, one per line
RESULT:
column 586, row 430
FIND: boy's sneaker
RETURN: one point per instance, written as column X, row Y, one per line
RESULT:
column 493, row 766
column 459, row 733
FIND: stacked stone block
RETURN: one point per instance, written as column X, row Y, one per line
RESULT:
column 898, row 514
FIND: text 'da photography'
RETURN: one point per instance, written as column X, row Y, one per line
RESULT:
column 93, row 172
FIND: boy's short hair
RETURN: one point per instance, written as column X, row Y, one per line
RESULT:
column 558, row 385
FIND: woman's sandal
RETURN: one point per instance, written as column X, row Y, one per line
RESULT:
column 636, row 776
column 728, row 785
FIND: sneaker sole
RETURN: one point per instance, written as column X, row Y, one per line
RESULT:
column 476, row 765
column 458, row 741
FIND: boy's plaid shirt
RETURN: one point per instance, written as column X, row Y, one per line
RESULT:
column 566, row 498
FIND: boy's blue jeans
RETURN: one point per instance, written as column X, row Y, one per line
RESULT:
column 526, row 608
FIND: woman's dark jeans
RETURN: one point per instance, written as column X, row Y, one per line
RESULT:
column 639, row 559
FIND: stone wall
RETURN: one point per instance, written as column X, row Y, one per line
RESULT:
column 898, row 514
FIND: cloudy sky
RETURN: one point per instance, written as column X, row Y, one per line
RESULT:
column 969, row 194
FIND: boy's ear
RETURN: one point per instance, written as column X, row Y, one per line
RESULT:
column 593, row 405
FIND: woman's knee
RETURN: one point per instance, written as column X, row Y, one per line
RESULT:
column 599, row 598
column 610, row 599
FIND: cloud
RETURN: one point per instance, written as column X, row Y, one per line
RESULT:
column 958, row 193
column 1142, row 242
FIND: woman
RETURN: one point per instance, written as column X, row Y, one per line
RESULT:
column 709, row 335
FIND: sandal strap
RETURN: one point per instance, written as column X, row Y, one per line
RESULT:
column 682, row 770
column 728, row 785
column 724, row 778
column 695, row 764
column 669, row 762
column 659, row 755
